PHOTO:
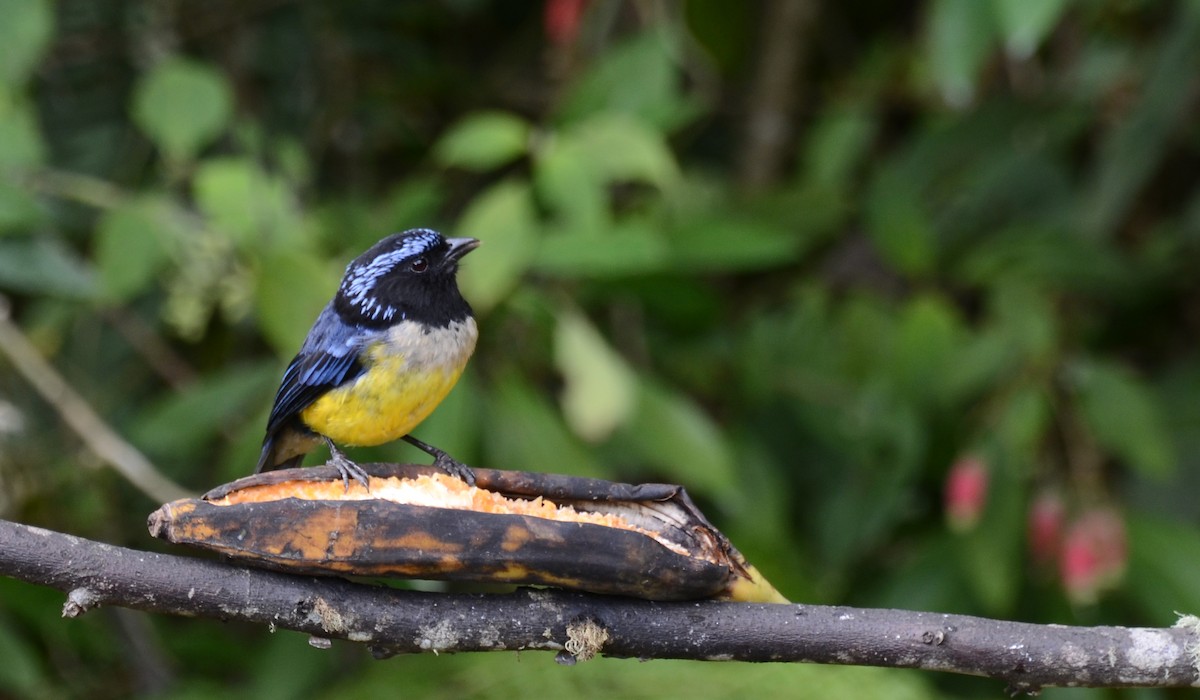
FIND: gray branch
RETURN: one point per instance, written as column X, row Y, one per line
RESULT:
column 577, row 626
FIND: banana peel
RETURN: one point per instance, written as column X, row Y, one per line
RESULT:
column 646, row 541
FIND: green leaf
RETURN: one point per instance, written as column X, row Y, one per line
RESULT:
column 41, row 265
column 293, row 287
column 131, row 246
column 731, row 243
column 1026, row 323
column 673, row 434
column 637, row 77
column 620, row 148
column 925, row 343
column 792, row 351
column 483, row 141
column 504, row 220
column 21, row 144
column 1044, row 257
column 248, row 205
column 626, row 249
column 960, row 37
column 525, row 432
column 1133, row 150
column 182, row 105
column 19, row 210
column 25, row 33
column 866, row 329
column 188, row 422
column 837, row 144
column 1025, row 24
column 571, row 187
column 1164, row 566
column 1022, row 422
column 1125, row 417
column 982, row 360
column 573, row 171
column 599, row 389
column 878, row 445
column 899, row 224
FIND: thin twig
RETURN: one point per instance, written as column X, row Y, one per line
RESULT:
column 773, row 91
column 577, row 625
column 79, row 415
column 77, row 187
column 159, row 356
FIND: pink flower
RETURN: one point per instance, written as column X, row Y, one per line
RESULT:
column 965, row 493
column 1094, row 554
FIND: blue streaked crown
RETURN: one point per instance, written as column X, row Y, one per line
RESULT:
column 360, row 284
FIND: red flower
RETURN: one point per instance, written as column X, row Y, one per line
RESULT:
column 965, row 493
column 561, row 19
column 1094, row 554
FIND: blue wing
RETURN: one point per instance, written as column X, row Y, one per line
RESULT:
column 306, row 379
column 328, row 359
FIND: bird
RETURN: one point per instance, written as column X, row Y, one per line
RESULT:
column 379, row 358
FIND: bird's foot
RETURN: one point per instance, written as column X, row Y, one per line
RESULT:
column 455, row 468
column 347, row 468
column 444, row 461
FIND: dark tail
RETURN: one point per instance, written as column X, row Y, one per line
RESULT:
column 283, row 449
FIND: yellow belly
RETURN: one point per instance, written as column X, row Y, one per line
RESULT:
column 407, row 376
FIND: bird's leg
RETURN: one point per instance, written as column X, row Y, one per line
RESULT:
column 346, row 467
column 443, row 461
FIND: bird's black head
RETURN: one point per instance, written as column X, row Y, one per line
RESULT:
column 406, row 276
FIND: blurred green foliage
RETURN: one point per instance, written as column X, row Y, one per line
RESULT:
column 981, row 241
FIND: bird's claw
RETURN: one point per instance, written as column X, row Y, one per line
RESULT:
column 348, row 468
column 455, row 468
column 444, row 461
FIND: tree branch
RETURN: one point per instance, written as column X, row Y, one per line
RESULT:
column 77, row 413
column 1026, row 656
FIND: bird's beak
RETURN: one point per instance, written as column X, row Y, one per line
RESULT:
column 460, row 247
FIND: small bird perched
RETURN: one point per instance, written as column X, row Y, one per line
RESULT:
column 380, row 356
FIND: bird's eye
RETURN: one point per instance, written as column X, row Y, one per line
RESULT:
column 419, row 265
